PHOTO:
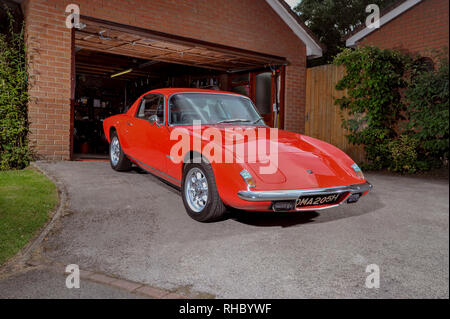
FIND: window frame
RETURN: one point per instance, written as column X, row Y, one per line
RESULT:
column 164, row 108
column 232, row 94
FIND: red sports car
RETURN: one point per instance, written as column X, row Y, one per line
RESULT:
column 216, row 148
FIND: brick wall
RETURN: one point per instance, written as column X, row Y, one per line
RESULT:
column 49, row 61
column 247, row 24
column 422, row 28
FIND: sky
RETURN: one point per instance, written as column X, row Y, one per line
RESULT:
column 292, row 3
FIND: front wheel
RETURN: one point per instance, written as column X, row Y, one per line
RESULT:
column 117, row 157
column 199, row 191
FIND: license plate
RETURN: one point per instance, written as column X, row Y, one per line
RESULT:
column 317, row 200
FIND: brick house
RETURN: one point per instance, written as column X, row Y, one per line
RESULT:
column 122, row 49
column 410, row 26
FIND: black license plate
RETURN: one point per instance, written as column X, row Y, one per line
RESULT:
column 317, row 200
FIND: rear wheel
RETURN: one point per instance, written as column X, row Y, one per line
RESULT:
column 200, row 196
column 117, row 157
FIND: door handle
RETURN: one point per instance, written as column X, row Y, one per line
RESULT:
column 129, row 124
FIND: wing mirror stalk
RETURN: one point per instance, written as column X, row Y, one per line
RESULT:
column 154, row 120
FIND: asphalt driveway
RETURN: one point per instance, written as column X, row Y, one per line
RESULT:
column 134, row 226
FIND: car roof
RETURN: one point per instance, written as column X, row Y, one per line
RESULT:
column 170, row 91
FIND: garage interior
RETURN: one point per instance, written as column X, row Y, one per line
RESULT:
column 114, row 64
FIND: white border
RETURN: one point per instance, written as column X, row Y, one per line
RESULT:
column 313, row 49
column 351, row 42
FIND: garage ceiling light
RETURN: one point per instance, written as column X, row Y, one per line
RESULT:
column 121, row 73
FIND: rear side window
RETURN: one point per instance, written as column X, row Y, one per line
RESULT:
column 151, row 104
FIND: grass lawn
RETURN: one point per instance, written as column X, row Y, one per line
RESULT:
column 26, row 199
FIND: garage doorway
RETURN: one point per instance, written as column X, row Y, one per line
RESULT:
column 264, row 87
column 114, row 64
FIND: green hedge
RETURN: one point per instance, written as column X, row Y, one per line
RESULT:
column 428, row 114
column 14, row 151
column 398, row 111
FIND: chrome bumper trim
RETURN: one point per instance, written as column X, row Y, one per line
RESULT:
column 267, row 196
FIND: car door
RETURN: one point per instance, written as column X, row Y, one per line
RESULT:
column 150, row 139
column 125, row 129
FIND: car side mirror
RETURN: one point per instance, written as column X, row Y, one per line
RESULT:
column 154, row 120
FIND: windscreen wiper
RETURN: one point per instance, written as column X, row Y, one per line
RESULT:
column 257, row 120
column 233, row 121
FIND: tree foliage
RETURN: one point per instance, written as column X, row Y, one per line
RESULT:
column 14, row 151
column 331, row 20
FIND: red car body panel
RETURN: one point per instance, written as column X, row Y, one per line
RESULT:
column 149, row 146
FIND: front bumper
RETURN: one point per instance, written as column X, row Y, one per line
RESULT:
column 285, row 195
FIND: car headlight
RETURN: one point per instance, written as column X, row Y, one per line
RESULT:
column 358, row 171
column 248, row 178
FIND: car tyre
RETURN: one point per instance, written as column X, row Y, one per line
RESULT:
column 117, row 158
column 205, row 209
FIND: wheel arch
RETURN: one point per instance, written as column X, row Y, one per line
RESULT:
column 191, row 155
column 227, row 178
column 112, row 129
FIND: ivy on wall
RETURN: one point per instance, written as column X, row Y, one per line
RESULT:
column 428, row 113
column 398, row 112
column 373, row 81
column 14, row 151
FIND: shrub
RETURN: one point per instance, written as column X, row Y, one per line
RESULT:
column 14, row 151
column 373, row 81
column 403, row 154
column 428, row 113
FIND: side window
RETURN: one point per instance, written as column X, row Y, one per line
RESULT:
column 151, row 104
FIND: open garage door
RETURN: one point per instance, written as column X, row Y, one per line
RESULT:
column 106, row 36
column 115, row 64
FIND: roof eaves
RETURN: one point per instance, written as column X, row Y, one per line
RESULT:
column 391, row 13
column 314, row 48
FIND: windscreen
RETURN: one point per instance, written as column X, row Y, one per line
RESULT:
column 212, row 108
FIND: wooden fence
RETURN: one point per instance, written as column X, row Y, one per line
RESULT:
column 323, row 119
